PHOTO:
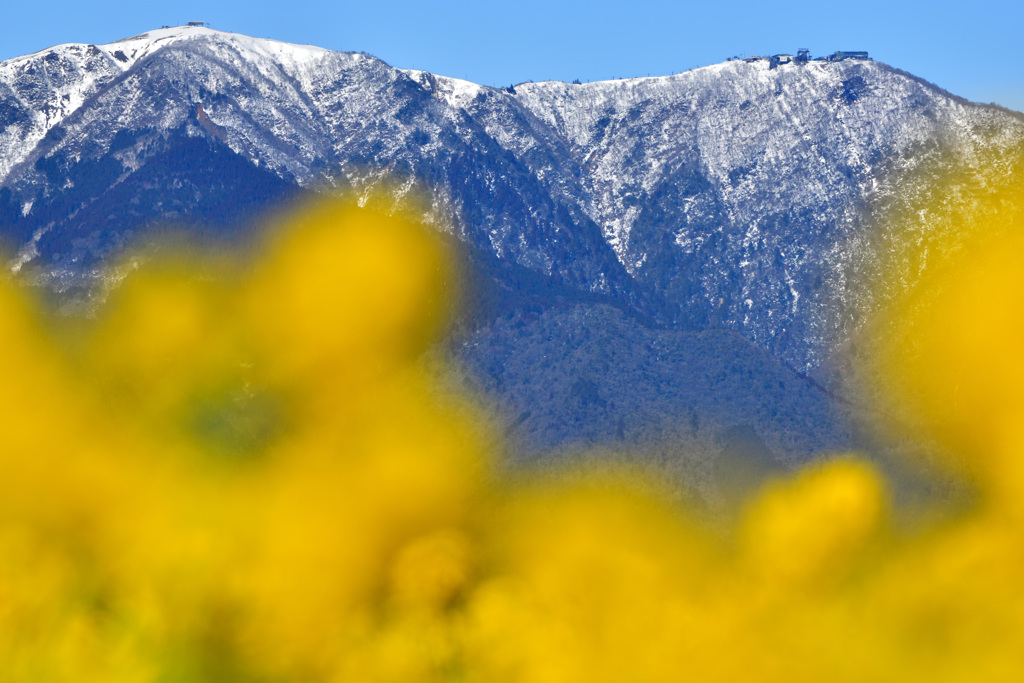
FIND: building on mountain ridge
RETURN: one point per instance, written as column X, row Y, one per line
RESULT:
column 839, row 56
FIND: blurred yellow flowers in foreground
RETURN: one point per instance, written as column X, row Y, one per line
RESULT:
column 250, row 477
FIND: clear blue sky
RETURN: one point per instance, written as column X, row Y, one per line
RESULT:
column 974, row 49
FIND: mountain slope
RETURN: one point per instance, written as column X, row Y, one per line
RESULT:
column 735, row 197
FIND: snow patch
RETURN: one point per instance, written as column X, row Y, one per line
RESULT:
column 455, row 91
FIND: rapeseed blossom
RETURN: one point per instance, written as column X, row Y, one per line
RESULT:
column 243, row 472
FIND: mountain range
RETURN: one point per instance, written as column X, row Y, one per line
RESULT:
column 673, row 259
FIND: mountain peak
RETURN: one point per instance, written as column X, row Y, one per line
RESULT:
column 274, row 49
column 127, row 51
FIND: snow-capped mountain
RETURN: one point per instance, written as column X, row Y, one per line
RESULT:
column 735, row 196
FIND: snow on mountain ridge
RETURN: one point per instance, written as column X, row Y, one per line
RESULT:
column 455, row 91
column 714, row 98
column 136, row 47
column 51, row 84
column 732, row 195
